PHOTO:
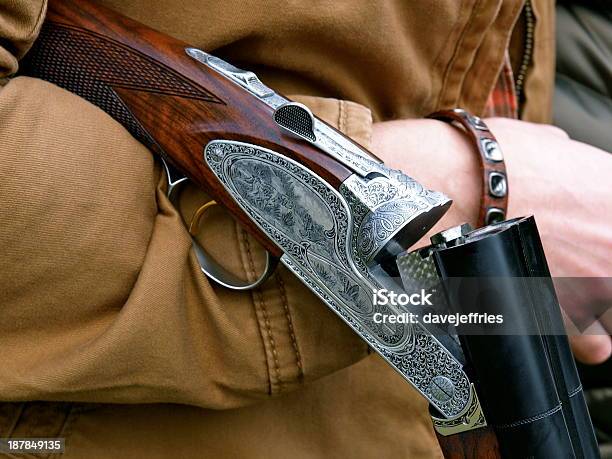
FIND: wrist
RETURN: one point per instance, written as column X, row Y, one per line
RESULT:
column 437, row 155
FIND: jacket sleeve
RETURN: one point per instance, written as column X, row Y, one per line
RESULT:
column 102, row 299
column 20, row 21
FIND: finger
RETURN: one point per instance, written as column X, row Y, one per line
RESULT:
column 606, row 318
column 592, row 349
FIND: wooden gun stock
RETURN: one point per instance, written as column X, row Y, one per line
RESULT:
column 479, row 443
column 167, row 100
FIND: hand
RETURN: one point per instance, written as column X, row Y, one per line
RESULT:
column 565, row 184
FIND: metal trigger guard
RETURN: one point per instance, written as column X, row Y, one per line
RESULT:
column 211, row 269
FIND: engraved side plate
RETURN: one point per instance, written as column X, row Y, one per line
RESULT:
column 313, row 225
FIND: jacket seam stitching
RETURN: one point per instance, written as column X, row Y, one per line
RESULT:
column 241, row 238
column 285, row 301
column 576, row 391
column 260, row 300
column 40, row 18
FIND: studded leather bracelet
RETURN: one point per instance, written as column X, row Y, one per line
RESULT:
column 494, row 200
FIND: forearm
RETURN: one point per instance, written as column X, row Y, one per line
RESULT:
column 560, row 181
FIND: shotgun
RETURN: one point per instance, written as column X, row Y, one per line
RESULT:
column 341, row 221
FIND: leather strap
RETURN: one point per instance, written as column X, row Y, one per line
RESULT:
column 494, row 200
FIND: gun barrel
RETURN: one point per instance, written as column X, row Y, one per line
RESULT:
column 527, row 382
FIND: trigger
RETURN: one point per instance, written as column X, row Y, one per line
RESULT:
column 221, row 276
column 211, row 269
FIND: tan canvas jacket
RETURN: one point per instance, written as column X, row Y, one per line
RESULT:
column 105, row 317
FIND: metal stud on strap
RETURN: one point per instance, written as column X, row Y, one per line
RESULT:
column 494, row 198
